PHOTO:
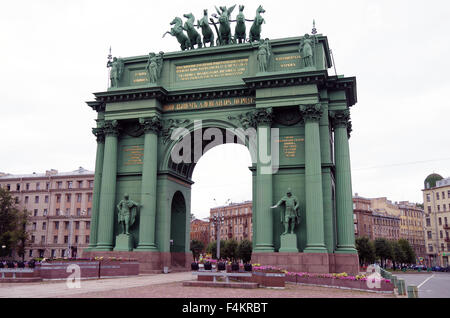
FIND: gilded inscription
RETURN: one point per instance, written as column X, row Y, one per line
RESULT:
column 133, row 155
column 290, row 145
column 211, row 70
column 221, row 102
column 139, row 77
column 288, row 61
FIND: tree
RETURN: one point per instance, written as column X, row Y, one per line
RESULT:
column 410, row 255
column 398, row 256
column 13, row 222
column 383, row 250
column 212, row 248
column 366, row 250
column 245, row 251
column 196, row 248
column 231, row 250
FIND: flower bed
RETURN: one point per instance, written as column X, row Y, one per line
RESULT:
column 342, row 280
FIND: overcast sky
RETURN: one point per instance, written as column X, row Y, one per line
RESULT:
column 53, row 57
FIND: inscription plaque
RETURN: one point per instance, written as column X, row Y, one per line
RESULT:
column 211, row 70
column 133, row 155
column 199, row 104
column 289, row 145
column 287, row 61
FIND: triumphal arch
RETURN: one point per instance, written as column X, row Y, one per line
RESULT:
column 278, row 97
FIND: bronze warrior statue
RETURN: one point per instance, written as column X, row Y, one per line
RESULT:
column 127, row 213
column 290, row 217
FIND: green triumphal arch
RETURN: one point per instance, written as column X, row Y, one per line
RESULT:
column 164, row 110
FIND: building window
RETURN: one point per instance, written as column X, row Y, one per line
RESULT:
column 78, row 211
column 90, row 197
column 67, row 211
column 80, row 184
column 438, row 208
column 18, row 187
column 47, row 186
column 76, row 239
column 428, row 220
column 430, row 247
column 55, row 239
column 89, row 211
column 91, row 184
column 35, row 212
column 56, row 225
column 58, row 212
column 77, row 225
column 33, row 239
column 66, row 225
column 437, row 195
column 69, row 184
column 443, row 195
column 78, row 197
column 43, row 239
column 440, row 221
column 87, row 239
column 58, row 198
column 68, row 197
column 88, row 225
column 45, row 212
column 33, row 227
column 30, row 253
column 428, row 197
column 36, row 199
column 46, row 199
column 44, row 225
column 66, row 239
column 38, row 186
column 429, row 235
column 53, row 254
column 26, row 199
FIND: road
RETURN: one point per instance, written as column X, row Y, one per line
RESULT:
column 431, row 285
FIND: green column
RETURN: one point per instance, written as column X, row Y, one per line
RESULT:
column 99, row 132
column 108, row 188
column 344, row 203
column 264, row 219
column 148, row 187
column 315, row 242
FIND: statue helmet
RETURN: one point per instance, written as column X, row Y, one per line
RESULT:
column 289, row 191
column 126, row 196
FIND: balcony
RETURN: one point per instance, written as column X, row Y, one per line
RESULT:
column 446, row 227
column 447, row 239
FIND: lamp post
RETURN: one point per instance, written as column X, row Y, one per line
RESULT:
column 218, row 221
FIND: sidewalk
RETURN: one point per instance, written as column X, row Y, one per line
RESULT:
column 167, row 286
column 49, row 289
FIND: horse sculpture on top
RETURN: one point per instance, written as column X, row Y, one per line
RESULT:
column 224, row 28
column 177, row 31
column 239, row 30
column 207, row 32
column 192, row 33
column 255, row 30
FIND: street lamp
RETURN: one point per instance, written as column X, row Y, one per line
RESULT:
column 218, row 221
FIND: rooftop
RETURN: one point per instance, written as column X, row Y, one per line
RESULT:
column 48, row 173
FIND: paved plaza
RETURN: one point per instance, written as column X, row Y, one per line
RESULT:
column 167, row 286
column 430, row 285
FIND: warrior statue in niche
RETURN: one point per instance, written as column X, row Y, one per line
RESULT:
column 290, row 217
column 127, row 213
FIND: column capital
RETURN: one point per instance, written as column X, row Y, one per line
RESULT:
column 151, row 124
column 341, row 118
column 99, row 132
column 261, row 116
column 311, row 111
column 111, row 128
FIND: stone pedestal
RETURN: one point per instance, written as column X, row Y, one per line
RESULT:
column 288, row 243
column 124, row 242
